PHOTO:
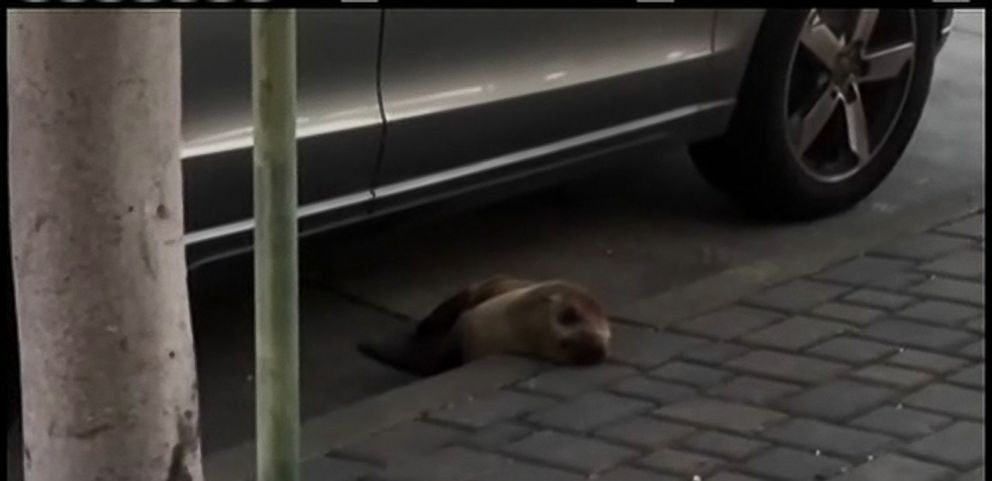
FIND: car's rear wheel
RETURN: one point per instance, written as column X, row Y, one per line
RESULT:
column 828, row 104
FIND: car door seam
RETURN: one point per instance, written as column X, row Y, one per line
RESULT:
column 380, row 155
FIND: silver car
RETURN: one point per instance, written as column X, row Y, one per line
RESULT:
column 793, row 113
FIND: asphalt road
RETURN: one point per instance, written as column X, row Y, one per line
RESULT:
column 629, row 232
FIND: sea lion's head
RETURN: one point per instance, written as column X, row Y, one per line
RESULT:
column 575, row 328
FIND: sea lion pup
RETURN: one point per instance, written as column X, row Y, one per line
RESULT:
column 555, row 320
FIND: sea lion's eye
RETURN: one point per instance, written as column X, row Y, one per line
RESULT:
column 569, row 317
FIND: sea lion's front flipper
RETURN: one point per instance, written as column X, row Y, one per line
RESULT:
column 422, row 356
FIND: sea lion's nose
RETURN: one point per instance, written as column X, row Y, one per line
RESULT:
column 586, row 348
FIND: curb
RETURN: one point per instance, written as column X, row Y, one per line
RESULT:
column 340, row 427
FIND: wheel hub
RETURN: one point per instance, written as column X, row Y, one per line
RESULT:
column 849, row 65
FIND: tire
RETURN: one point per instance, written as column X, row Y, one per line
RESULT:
column 758, row 163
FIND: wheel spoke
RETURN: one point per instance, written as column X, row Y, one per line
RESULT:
column 813, row 122
column 864, row 25
column 857, row 125
column 821, row 42
column 887, row 63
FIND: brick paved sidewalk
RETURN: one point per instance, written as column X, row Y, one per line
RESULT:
column 872, row 369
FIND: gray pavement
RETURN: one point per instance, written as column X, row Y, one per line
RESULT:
column 635, row 233
column 870, row 369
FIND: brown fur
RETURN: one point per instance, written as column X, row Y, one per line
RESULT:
column 558, row 321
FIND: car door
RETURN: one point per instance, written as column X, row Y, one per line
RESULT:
column 471, row 94
column 339, row 120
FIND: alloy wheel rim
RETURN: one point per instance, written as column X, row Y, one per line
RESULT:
column 848, row 79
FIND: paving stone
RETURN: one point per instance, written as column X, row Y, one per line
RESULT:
column 627, row 473
column 722, row 445
column 681, row 462
column 324, row 468
column 795, row 333
column 877, row 298
column 479, row 412
column 952, row 289
column 923, row 246
column 729, row 476
column 852, row 350
column 945, row 398
column 753, row 390
column 903, row 422
column 837, row 399
column 720, row 414
column 644, row 432
column 453, row 463
column 836, row 440
column 892, row 376
column 646, row 348
column 588, row 411
column 851, row 313
column 863, row 270
column 406, row 441
column 787, row 367
column 571, row 452
column 797, row 295
column 691, row 374
column 893, row 467
column 960, row 444
column 714, row 353
column 789, row 464
column 570, row 381
column 939, row 312
column 914, row 334
column 967, row 263
column 973, row 226
column 659, row 392
column 497, row 435
column 973, row 376
column 975, row 350
column 899, row 280
column 926, row 361
column 520, row 471
column 729, row 322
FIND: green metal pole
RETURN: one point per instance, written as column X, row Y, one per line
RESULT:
column 277, row 376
